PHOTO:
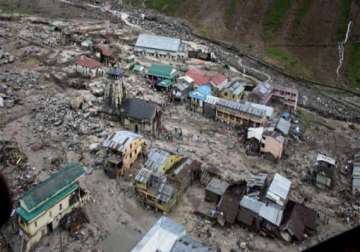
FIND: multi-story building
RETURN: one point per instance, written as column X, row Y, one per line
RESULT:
column 42, row 207
column 124, row 147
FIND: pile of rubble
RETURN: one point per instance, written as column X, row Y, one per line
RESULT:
column 5, row 57
column 10, row 82
column 57, row 113
column 14, row 166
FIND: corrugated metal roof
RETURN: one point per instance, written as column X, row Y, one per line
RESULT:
column 52, row 186
column 235, row 88
column 326, row 159
column 158, row 43
column 198, row 76
column 201, row 92
column 251, row 204
column 256, row 133
column 279, row 189
column 162, row 70
column 212, row 99
column 242, row 107
column 161, row 237
column 268, row 110
column 271, row 213
column 120, row 140
column 156, row 159
column 283, row 126
column 187, row 244
column 217, row 186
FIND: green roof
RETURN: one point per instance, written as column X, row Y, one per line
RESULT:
column 138, row 67
column 165, row 83
column 52, row 186
column 162, row 71
column 28, row 216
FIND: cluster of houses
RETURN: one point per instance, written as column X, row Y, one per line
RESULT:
column 256, row 203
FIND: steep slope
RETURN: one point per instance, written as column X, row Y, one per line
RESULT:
column 301, row 36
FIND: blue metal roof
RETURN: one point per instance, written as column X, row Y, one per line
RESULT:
column 201, row 92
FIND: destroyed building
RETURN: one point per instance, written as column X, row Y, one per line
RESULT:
column 323, row 172
column 283, row 126
column 168, row 236
column 215, row 190
column 153, row 189
column 43, row 206
column 164, row 178
column 180, row 92
column 88, row 67
column 356, row 174
column 104, row 55
column 124, row 147
column 160, row 46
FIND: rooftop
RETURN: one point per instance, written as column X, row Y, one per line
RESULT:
column 323, row 158
column 158, row 43
column 163, row 71
column 120, row 140
column 283, row 126
column 198, row 76
column 201, row 92
column 217, row 186
column 218, row 79
column 263, row 90
column 139, row 109
column 87, row 62
column 235, row 88
column 279, row 189
column 161, row 237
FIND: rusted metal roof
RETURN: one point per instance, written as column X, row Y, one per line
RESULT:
column 120, row 140
column 198, row 76
column 87, row 62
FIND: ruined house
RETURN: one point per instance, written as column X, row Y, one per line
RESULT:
column 215, row 190
column 153, row 189
column 180, row 92
column 124, row 147
column 160, row 46
column 168, row 236
column 88, row 67
column 42, row 207
column 229, row 203
column 298, row 222
column 183, row 173
column 324, row 171
column 233, row 91
column 356, row 174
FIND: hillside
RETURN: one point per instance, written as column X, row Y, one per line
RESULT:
column 300, row 36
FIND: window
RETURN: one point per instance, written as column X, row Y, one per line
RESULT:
column 60, row 207
column 35, row 223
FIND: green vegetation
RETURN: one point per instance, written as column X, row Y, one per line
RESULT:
column 169, row 7
column 303, row 10
column 353, row 66
column 281, row 55
column 230, row 8
column 343, row 17
column 275, row 16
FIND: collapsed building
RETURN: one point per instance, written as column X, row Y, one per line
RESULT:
column 356, row 174
column 42, row 207
column 160, row 46
column 164, row 178
column 124, row 148
column 323, row 171
column 168, row 236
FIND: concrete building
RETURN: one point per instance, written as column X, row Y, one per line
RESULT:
column 215, row 190
column 88, row 67
column 124, row 147
column 273, row 144
column 278, row 190
column 42, row 207
column 198, row 96
column 162, row 76
column 160, row 46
